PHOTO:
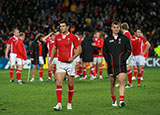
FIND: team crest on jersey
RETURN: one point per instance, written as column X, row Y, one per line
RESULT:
column 59, row 39
column 119, row 41
column 110, row 41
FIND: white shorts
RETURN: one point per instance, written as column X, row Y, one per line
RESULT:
column 128, row 62
column 137, row 60
column 20, row 61
column 12, row 58
column 41, row 60
column 69, row 68
column 78, row 59
column 97, row 60
column 54, row 60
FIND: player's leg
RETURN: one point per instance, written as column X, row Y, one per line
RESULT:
column 135, row 73
column 59, row 81
column 33, row 72
column 49, row 70
column 139, row 67
column 84, row 71
column 19, row 70
column 40, row 72
column 113, row 89
column 121, row 79
column 92, row 69
column 13, row 63
column 77, row 69
column 129, row 73
column 100, row 67
column 70, row 91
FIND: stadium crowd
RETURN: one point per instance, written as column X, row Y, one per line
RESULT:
column 85, row 15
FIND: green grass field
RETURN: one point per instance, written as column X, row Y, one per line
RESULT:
column 90, row 97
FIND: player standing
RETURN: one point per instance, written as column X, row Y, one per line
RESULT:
column 11, row 45
column 125, row 28
column 68, row 49
column 116, row 50
column 138, row 55
column 38, row 54
column 97, row 60
column 21, row 56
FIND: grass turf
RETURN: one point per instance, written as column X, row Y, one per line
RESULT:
column 90, row 97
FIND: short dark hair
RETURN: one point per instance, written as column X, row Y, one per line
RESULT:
column 137, row 29
column 115, row 23
column 15, row 28
column 64, row 21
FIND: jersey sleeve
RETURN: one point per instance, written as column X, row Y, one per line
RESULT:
column 10, row 41
column 47, row 40
column 75, row 41
column 143, row 39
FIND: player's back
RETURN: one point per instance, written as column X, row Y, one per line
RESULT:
column 12, row 42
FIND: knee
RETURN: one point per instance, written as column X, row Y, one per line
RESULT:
column 59, row 82
column 121, row 81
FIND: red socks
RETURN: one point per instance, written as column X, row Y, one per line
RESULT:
column 100, row 72
column 97, row 70
column 18, row 74
column 70, row 93
column 121, row 98
column 92, row 69
column 84, row 71
column 129, row 72
column 40, row 73
column 54, row 70
column 11, row 71
column 139, row 77
column 114, row 98
column 142, row 71
column 49, row 73
column 59, row 93
column 135, row 72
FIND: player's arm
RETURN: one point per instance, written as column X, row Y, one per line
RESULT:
column 105, row 51
column 148, row 45
column 45, row 37
column 53, row 53
column 77, row 52
column 7, row 50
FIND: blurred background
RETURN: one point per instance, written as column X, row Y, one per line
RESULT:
column 33, row 16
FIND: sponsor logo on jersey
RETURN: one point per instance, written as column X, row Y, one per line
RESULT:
column 110, row 41
column 59, row 39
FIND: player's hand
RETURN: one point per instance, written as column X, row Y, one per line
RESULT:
column 93, row 44
column 142, row 54
column 6, row 56
column 32, row 59
column 70, row 60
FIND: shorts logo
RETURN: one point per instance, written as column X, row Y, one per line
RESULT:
column 59, row 39
column 119, row 41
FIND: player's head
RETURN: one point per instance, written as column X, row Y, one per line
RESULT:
column 22, row 35
column 64, row 26
column 97, row 34
column 39, row 36
column 124, row 26
column 115, row 27
column 16, row 32
column 138, row 32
